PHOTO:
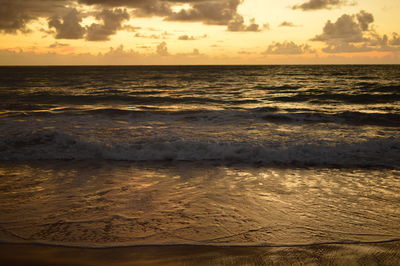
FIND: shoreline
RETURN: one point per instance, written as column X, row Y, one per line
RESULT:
column 376, row 253
column 261, row 245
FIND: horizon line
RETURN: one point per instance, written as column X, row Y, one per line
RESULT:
column 144, row 65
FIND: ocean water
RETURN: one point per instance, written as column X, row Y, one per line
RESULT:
column 211, row 155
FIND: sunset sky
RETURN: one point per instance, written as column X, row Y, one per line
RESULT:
column 137, row 32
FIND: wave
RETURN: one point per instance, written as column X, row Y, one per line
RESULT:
column 387, row 88
column 54, row 145
column 364, row 98
column 378, row 87
column 271, row 114
column 132, row 99
column 348, row 117
column 282, row 87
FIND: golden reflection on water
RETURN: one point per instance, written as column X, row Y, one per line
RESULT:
column 99, row 203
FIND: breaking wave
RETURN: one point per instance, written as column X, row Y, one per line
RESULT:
column 54, row 145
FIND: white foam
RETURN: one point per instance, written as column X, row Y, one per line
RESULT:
column 54, row 145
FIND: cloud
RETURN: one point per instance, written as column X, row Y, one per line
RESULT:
column 61, row 48
column 58, row 45
column 16, row 14
column 130, row 28
column 64, row 17
column 162, row 49
column 187, row 38
column 287, row 24
column 320, row 4
column 143, row 47
column 122, row 56
column 395, row 39
column 111, row 22
column 345, row 29
column 214, row 12
column 288, row 48
column 194, row 53
column 210, row 12
column 119, row 52
column 191, row 38
column 364, row 19
column 237, row 24
column 164, row 35
column 68, row 26
column 355, row 33
column 143, row 7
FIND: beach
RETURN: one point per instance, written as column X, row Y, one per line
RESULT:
column 386, row 253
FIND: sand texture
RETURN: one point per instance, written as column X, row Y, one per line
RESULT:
column 386, row 253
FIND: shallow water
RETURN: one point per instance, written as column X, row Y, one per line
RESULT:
column 120, row 203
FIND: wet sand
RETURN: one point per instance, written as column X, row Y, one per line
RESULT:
column 384, row 253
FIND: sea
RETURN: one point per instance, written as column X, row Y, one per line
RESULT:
column 111, row 156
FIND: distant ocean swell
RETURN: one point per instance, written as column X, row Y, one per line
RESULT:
column 266, row 114
column 54, row 145
column 233, row 97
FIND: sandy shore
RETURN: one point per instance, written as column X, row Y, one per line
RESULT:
column 386, row 253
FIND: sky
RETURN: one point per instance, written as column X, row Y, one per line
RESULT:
column 158, row 32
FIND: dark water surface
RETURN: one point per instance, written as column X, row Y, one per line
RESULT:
column 215, row 155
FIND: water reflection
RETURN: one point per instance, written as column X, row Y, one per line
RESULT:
column 108, row 203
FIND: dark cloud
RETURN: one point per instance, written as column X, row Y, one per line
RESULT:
column 288, row 48
column 111, row 22
column 153, row 8
column 237, row 24
column 355, row 33
column 215, row 12
column 143, row 7
column 162, row 49
column 114, row 3
column 320, row 4
column 16, row 14
column 187, row 38
column 347, row 28
column 68, row 26
column 364, row 19
column 190, row 38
